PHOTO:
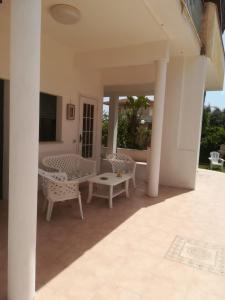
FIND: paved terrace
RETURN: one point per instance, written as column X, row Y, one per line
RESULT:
column 168, row 248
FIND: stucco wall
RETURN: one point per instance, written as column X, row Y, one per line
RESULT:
column 59, row 76
column 211, row 36
column 182, row 121
column 129, row 75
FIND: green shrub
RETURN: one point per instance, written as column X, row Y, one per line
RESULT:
column 213, row 132
column 131, row 133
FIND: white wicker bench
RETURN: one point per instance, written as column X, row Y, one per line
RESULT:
column 74, row 165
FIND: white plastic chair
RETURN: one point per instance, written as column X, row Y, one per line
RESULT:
column 123, row 163
column 215, row 160
column 57, row 188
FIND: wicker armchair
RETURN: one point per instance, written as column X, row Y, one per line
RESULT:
column 123, row 163
column 56, row 187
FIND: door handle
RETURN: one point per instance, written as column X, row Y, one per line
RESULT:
column 80, row 138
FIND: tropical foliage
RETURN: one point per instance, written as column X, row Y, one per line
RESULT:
column 105, row 124
column 213, row 131
column 131, row 133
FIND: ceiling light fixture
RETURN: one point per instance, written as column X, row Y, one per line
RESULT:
column 65, row 14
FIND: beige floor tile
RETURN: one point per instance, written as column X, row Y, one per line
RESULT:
column 113, row 292
column 119, row 254
column 208, row 283
column 178, row 274
column 133, row 276
column 47, row 294
column 196, row 294
column 161, row 288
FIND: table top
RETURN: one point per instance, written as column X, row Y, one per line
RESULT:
column 109, row 178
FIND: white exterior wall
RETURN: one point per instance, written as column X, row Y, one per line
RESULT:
column 60, row 76
column 182, row 121
column 131, row 75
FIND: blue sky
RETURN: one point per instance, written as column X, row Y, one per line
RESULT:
column 216, row 98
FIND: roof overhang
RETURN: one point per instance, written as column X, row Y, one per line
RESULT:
column 214, row 49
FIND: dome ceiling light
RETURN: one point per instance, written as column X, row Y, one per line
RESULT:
column 65, row 14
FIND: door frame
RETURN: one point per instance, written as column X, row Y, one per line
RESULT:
column 2, row 106
column 93, row 101
column 6, row 116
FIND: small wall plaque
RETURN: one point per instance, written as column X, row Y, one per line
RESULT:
column 70, row 112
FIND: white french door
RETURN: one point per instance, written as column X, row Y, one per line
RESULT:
column 87, row 138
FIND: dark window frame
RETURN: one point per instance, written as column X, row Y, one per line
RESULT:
column 48, row 117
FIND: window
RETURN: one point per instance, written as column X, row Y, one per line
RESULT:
column 48, row 118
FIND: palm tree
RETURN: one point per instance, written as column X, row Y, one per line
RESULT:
column 133, row 107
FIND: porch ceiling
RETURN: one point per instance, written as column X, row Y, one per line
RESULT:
column 104, row 24
column 117, row 24
column 118, row 33
column 129, row 90
column 129, row 81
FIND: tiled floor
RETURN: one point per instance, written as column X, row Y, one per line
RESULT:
column 198, row 254
column 121, row 253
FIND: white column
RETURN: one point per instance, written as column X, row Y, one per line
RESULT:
column 23, row 158
column 113, row 124
column 157, row 126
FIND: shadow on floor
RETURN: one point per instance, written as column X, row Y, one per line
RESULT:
column 64, row 239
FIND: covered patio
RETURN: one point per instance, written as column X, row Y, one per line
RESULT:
column 75, row 67
column 95, row 259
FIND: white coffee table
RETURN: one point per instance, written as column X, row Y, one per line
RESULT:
column 111, row 180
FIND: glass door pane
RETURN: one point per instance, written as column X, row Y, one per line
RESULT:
column 88, row 130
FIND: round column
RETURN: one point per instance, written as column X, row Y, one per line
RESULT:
column 113, row 124
column 24, row 145
column 157, row 128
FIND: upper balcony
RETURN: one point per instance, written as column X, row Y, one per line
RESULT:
column 211, row 36
column 207, row 18
column 196, row 10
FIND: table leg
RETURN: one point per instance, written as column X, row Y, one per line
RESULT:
column 90, row 192
column 127, row 188
column 110, row 196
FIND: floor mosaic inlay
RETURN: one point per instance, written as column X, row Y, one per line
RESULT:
column 197, row 254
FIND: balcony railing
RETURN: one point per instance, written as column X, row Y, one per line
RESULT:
column 196, row 8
